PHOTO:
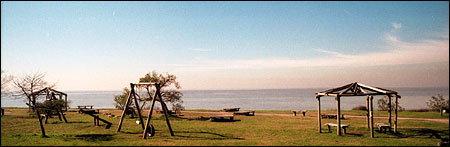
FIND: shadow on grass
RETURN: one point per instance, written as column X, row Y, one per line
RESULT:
column 200, row 135
column 416, row 132
column 174, row 117
column 420, row 132
column 90, row 137
column 347, row 133
column 141, row 132
column 354, row 134
column 73, row 122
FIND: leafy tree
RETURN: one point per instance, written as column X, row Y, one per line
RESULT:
column 48, row 107
column 438, row 103
column 120, row 100
column 172, row 96
column 383, row 104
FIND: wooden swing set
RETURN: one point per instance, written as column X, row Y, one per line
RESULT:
column 147, row 128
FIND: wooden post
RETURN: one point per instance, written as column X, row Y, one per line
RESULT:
column 138, row 110
column 98, row 120
column 338, row 100
column 396, row 107
column 65, row 97
column 165, row 109
column 371, row 116
column 150, row 114
column 319, row 117
column 64, row 117
column 95, row 121
column 390, row 111
column 125, row 107
column 368, row 113
column 59, row 114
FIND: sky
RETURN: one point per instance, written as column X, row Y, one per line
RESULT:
column 228, row 45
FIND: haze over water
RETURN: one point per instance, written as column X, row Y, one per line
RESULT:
column 261, row 99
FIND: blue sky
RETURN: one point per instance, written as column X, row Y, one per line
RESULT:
column 228, row 45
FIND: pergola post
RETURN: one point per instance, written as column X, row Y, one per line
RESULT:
column 319, row 117
column 390, row 111
column 396, row 107
column 65, row 99
column 371, row 115
column 338, row 100
column 367, row 115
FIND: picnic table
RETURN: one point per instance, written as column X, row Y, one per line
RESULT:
column 332, row 116
column 294, row 112
column 221, row 117
column 329, row 125
column 90, row 111
column 247, row 113
column 85, row 106
column 231, row 109
column 85, row 109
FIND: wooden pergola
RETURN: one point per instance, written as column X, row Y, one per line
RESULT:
column 358, row 89
column 51, row 94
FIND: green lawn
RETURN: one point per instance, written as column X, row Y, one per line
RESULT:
column 19, row 129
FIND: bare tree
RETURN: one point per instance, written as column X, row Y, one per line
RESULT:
column 6, row 79
column 30, row 83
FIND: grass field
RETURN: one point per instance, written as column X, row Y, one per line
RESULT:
column 19, row 129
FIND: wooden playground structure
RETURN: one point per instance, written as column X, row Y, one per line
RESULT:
column 49, row 96
column 156, row 96
column 93, row 112
column 358, row 89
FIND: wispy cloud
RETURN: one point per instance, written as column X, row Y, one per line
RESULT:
column 395, row 52
column 202, row 49
column 396, row 26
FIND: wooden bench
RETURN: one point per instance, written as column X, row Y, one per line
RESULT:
column 343, row 126
column 247, row 113
column 231, row 109
column 383, row 127
column 332, row 116
column 221, row 117
column 294, row 112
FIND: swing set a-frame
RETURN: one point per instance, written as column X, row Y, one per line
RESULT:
column 147, row 128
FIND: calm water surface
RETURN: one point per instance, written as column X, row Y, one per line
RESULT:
column 270, row 99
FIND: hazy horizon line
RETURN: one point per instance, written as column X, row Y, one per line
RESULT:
column 324, row 88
